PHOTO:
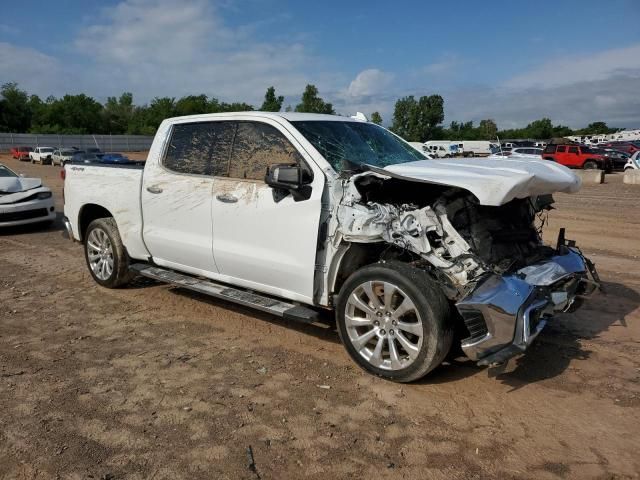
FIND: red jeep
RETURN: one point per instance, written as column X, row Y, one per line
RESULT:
column 577, row 156
column 21, row 153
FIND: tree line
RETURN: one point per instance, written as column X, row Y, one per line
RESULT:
column 413, row 119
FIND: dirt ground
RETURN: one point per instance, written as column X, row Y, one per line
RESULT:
column 153, row 382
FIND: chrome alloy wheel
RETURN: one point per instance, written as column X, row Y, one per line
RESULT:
column 383, row 325
column 100, row 254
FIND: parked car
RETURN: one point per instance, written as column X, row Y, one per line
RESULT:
column 526, row 152
column 294, row 213
column 41, row 155
column 441, row 148
column 577, row 156
column 21, row 153
column 476, row 148
column 115, row 158
column 95, row 151
column 633, row 163
column 618, row 158
column 62, row 156
column 84, row 157
column 23, row 200
column 626, row 147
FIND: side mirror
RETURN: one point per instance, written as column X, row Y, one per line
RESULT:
column 290, row 178
column 284, row 176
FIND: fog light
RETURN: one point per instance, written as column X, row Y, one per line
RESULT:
column 51, row 209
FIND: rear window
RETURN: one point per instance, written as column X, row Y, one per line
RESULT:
column 200, row 148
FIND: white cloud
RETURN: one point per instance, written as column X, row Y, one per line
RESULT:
column 370, row 82
column 448, row 64
column 31, row 69
column 583, row 68
column 163, row 47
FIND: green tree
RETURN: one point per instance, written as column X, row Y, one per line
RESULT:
column 312, row 103
column 271, row 102
column 597, row 128
column 117, row 113
column 418, row 121
column 402, row 117
column 488, row 129
column 542, row 128
column 192, row 105
column 71, row 114
column 15, row 115
column 376, row 118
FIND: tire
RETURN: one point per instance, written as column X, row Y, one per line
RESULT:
column 33, row 162
column 590, row 165
column 105, row 254
column 371, row 340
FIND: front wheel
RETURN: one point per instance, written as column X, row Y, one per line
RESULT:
column 105, row 254
column 590, row 165
column 394, row 321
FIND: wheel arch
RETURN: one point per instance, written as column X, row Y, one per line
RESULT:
column 88, row 213
column 355, row 256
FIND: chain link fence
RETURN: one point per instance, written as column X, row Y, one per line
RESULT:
column 107, row 143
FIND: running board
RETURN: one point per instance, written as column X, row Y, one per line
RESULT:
column 260, row 302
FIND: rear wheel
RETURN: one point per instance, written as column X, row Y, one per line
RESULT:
column 394, row 321
column 106, row 256
column 590, row 165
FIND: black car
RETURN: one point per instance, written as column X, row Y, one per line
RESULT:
column 618, row 158
column 84, row 157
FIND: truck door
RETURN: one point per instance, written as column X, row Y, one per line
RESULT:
column 176, row 196
column 561, row 155
column 573, row 157
column 263, row 239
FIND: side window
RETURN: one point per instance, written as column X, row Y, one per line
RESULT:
column 562, row 149
column 256, row 146
column 199, row 148
column 573, row 150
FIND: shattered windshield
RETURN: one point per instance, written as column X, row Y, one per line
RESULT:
column 344, row 144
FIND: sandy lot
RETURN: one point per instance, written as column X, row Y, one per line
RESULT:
column 153, row 382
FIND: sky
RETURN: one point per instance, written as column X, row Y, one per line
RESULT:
column 513, row 61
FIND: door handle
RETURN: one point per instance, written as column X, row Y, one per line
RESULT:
column 154, row 189
column 227, row 198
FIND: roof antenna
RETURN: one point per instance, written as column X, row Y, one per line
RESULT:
column 360, row 116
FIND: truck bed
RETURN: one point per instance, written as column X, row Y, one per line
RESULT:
column 113, row 187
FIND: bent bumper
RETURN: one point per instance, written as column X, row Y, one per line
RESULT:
column 504, row 314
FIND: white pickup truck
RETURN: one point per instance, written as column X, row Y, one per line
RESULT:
column 41, row 155
column 295, row 214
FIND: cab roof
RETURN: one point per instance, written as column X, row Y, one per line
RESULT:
column 289, row 116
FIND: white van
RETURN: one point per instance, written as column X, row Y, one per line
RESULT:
column 477, row 148
column 441, row 148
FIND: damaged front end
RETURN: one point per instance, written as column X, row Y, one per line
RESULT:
column 490, row 260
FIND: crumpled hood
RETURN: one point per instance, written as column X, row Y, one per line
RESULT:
column 18, row 184
column 493, row 180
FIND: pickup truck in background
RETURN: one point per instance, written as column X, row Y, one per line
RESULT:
column 41, row 155
column 21, row 153
column 295, row 214
column 577, row 156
